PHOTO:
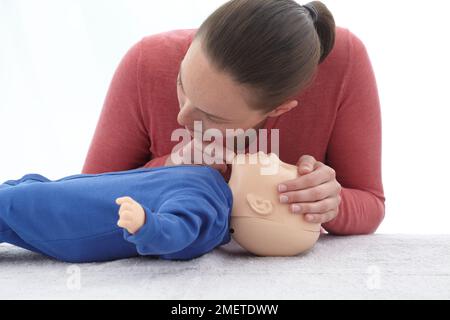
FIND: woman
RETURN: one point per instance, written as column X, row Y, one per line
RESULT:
column 270, row 64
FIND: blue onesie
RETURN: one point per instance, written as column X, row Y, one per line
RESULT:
column 74, row 219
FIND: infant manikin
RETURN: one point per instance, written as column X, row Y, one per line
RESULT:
column 259, row 222
column 174, row 213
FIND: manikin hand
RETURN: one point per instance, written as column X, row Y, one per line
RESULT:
column 131, row 213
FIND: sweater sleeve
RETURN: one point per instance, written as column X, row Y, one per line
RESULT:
column 120, row 140
column 185, row 227
column 354, row 149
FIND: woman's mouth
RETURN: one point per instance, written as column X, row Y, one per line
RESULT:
column 192, row 132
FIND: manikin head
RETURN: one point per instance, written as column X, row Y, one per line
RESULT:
column 259, row 222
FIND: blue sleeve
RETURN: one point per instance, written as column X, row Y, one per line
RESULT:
column 186, row 226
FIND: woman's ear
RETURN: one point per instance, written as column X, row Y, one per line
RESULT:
column 285, row 107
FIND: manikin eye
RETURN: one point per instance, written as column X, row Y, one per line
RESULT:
column 259, row 204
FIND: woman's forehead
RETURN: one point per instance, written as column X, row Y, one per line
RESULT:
column 210, row 90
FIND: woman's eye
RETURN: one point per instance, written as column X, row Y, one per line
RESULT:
column 211, row 118
column 215, row 120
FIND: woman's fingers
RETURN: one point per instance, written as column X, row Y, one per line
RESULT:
column 306, row 164
column 316, row 207
column 315, row 178
column 321, row 217
column 318, row 193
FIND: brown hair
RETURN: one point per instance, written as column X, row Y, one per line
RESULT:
column 272, row 47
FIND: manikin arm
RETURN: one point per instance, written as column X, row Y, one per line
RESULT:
column 180, row 222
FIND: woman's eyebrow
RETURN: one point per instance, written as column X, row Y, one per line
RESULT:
column 208, row 114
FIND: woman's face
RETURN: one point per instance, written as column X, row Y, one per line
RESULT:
column 213, row 98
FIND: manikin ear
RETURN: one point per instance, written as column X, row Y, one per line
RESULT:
column 285, row 107
column 259, row 204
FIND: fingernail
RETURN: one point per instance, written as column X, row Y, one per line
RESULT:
column 282, row 188
column 284, row 199
column 296, row 208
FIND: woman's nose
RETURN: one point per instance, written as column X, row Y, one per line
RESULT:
column 186, row 116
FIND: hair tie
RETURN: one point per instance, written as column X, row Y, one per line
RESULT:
column 312, row 11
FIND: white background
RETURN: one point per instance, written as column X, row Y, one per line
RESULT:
column 57, row 58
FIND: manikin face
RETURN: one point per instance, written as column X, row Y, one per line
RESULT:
column 213, row 98
column 259, row 222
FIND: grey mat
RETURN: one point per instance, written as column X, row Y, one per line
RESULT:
column 362, row 267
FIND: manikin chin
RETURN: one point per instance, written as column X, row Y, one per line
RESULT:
column 259, row 222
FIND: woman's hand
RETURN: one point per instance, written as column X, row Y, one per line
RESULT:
column 131, row 213
column 315, row 193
